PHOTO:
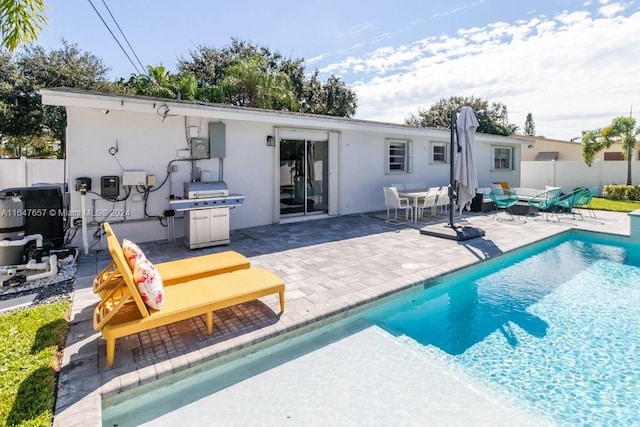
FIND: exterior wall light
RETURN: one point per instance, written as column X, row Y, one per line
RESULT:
column 270, row 141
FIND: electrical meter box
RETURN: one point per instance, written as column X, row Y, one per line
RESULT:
column 83, row 184
column 199, row 148
column 131, row 178
column 110, row 186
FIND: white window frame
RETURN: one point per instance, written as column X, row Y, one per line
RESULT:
column 494, row 158
column 445, row 146
column 396, row 162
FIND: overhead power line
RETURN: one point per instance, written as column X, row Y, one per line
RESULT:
column 123, row 36
column 116, row 39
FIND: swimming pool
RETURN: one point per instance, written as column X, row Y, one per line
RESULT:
column 548, row 331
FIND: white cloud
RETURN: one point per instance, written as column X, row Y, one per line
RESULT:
column 611, row 9
column 317, row 58
column 571, row 72
column 458, row 9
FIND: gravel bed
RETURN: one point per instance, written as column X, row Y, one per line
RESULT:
column 47, row 290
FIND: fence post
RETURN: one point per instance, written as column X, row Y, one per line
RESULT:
column 23, row 172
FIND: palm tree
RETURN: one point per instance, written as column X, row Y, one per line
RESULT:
column 20, row 22
column 621, row 130
column 248, row 83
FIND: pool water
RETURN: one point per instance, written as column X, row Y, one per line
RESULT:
column 554, row 326
column 559, row 329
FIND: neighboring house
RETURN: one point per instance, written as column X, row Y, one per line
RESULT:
column 544, row 149
column 290, row 166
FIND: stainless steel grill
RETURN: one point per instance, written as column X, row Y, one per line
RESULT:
column 206, row 206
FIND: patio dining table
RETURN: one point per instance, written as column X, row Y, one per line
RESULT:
column 414, row 195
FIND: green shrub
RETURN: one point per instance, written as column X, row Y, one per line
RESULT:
column 633, row 193
column 622, row 192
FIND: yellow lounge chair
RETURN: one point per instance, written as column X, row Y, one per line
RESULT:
column 173, row 272
column 122, row 311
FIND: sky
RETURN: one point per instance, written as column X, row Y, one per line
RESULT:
column 574, row 65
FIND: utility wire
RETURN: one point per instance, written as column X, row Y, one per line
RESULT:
column 125, row 37
column 115, row 38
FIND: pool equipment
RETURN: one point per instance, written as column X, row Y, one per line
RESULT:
column 38, row 267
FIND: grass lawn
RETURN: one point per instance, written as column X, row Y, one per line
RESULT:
column 31, row 341
column 602, row 204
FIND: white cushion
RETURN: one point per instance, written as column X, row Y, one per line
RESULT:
column 132, row 253
column 149, row 284
column 549, row 188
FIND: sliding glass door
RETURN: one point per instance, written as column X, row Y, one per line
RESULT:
column 304, row 169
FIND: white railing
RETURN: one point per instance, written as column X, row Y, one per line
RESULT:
column 572, row 174
column 25, row 172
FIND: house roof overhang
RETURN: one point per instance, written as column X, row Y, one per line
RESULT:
column 70, row 97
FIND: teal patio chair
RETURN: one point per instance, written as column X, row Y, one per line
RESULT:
column 545, row 201
column 503, row 199
column 584, row 201
column 568, row 201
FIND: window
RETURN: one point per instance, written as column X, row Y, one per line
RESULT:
column 502, row 157
column 398, row 155
column 439, row 152
column 613, row 155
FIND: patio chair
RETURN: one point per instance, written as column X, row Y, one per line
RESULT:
column 429, row 201
column 568, row 201
column 443, row 201
column 503, row 199
column 545, row 201
column 584, row 201
column 392, row 200
column 123, row 311
column 171, row 272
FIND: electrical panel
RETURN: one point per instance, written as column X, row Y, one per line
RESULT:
column 110, row 186
column 217, row 140
column 199, row 148
column 132, row 178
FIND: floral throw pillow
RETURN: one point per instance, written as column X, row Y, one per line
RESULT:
column 149, row 284
column 132, row 253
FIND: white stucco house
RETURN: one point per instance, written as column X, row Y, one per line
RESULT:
column 276, row 159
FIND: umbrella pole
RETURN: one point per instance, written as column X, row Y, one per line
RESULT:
column 451, row 159
column 452, row 231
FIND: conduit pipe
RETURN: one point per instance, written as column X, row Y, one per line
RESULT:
column 22, row 242
column 51, row 266
column 85, row 242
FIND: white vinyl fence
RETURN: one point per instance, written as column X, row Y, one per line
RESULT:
column 25, row 172
column 566, row 174
column 572, row 174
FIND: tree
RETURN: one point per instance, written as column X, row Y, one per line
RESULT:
column 621, row 130
column 160, row 83
column 529, row 126
column 216, row 70
column 250, row 82
column 23, row 115
column 20, row 22
column 492, row 118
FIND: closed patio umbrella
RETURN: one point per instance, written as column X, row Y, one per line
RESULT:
column 463, row 177
column 465, row 174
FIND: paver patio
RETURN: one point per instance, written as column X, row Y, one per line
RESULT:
column 329, row 266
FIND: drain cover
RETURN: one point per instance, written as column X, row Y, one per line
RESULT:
column 410, row 265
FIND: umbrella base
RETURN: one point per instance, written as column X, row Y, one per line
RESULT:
column 457, row 232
